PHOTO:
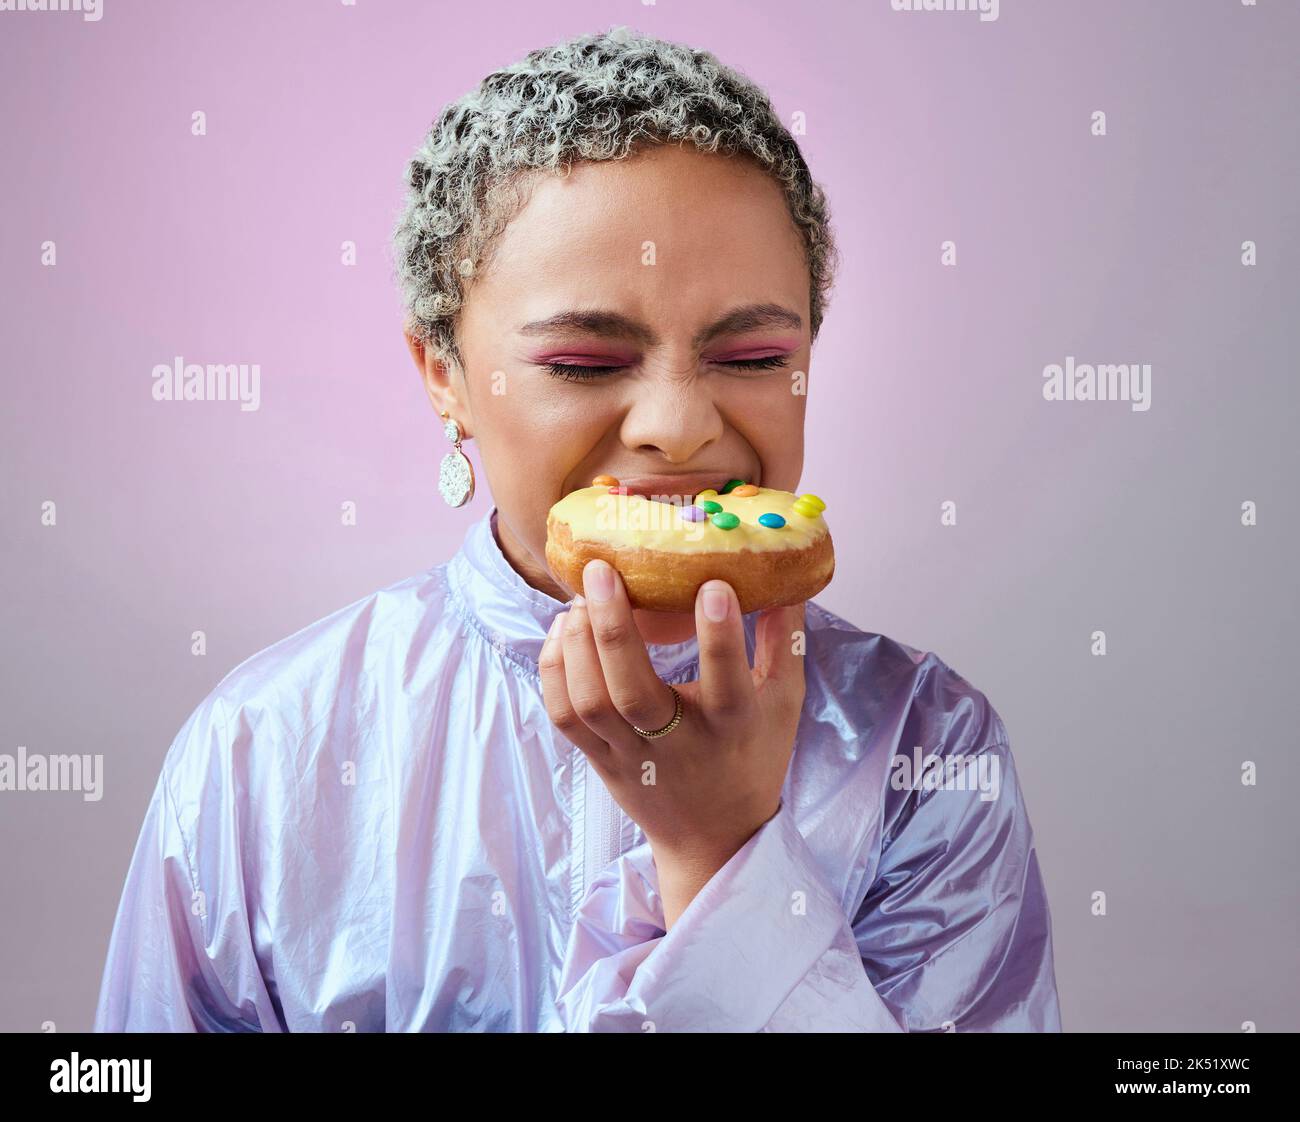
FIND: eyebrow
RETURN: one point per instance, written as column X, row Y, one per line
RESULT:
column 614, row 325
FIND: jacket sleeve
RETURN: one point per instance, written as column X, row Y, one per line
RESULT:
column 764, row 946
column 955, row 931
column 180, row 957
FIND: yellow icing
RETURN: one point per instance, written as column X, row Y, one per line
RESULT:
column 594, row 514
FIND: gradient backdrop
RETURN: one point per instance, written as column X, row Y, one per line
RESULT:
column 1073, row 517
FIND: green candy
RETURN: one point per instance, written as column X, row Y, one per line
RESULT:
column 725, row 520
column 709, row 506
column 731, row 485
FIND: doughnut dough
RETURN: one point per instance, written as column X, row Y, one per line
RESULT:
column 663, row 558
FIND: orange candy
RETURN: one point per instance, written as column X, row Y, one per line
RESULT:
column 744, row 491
column 604, row 481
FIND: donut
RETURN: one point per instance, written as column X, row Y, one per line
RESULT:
column 772, row 547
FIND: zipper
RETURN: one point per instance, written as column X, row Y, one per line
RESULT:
column 601, row 831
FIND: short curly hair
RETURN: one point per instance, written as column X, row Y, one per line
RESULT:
column 591, row 98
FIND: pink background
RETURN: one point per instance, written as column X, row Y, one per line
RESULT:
column 926, row 386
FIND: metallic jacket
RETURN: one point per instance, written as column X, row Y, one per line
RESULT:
column 372, row 825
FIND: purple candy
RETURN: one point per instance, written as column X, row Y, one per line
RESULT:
column 694, row 514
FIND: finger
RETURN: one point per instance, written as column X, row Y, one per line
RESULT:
column 636, row 691
column 586, row 679
column 555, row 695
column 779, row 643
column 726, row 684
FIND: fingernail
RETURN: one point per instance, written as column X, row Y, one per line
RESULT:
column 577, row 601
column 557, row 626
column 717, row 603
column 598, row 580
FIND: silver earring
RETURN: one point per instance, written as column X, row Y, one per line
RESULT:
column 456, row 477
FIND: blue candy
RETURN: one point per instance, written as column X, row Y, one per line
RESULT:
column 775, row 521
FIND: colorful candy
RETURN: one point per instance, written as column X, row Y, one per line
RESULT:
column 706, row 494
column 604, row 481
column 772, row 521
column 693, row 514
column 731, row 485
column 725, row 520
column 709, row 506
column 810, row 506
column 745, row 490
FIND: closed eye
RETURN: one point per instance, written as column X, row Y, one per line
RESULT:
column 571, row 373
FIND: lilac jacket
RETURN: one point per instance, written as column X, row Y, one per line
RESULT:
column 372, row 825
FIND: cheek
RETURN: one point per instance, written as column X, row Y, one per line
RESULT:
column 534, row 430
column 777, row 402
column 770, row 419
column 526, row 408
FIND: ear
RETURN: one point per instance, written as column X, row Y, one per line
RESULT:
column 438, row 382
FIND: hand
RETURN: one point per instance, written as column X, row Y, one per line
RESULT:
column 701, row 791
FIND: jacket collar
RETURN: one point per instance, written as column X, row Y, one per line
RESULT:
column 514, row 617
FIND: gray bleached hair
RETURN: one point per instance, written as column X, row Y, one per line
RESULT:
column 591, row 98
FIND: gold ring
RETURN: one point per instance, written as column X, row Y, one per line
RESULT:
column 677, row 720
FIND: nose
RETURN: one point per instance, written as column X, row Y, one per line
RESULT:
column 674, row 416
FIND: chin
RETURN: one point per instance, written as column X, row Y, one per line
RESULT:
column 664, row 628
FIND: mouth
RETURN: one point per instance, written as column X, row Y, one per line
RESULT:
column 675, row 488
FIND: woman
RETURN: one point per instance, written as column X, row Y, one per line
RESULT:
column 429, row 811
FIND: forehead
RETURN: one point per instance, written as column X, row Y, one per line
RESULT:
column 665, row 215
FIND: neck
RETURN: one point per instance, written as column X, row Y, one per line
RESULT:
column 521, row 559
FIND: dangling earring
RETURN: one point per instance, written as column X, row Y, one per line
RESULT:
column 456, row 477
